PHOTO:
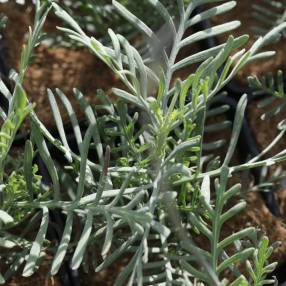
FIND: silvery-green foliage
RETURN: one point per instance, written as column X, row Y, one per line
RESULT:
column 271, row 106
column 138, row 182
column 269, row 14
column 98, row 16
column 269, row 84
column 12, row 120
column 273, row 87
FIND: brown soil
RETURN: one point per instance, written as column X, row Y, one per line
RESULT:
column 65, row 69
column 40, row 278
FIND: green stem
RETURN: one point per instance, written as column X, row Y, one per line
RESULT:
column 216, row 224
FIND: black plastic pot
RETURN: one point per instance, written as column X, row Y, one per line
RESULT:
column 4, row 71
column 280, row 274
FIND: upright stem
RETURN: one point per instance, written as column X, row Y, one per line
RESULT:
column 216, row 225
column 174, row 52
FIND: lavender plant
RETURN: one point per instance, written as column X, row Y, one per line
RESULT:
column 139, row 182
